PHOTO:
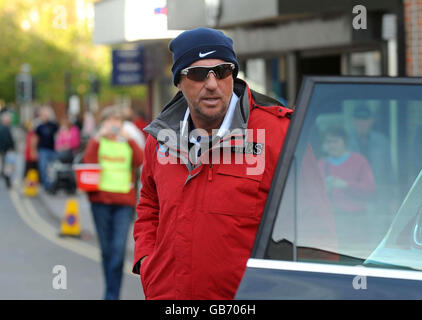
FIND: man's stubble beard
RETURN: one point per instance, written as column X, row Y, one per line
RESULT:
column 211, row 118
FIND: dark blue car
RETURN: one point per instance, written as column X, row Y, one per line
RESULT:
column 343, row 219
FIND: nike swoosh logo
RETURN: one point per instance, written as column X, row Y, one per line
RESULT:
column 201, row 55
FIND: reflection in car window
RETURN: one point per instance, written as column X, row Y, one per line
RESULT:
column 347, row 198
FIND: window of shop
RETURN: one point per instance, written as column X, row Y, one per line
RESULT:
column 365, row 63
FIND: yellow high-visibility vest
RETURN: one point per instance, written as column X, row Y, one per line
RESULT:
column 115, row 158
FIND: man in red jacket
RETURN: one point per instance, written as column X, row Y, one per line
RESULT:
column 209, row 160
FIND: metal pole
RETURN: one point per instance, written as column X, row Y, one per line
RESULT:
column 67, row 88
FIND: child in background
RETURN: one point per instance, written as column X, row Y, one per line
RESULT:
column 350, row 186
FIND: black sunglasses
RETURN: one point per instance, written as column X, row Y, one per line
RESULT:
column 200, row 73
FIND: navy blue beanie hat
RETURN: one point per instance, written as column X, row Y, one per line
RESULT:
column 200, row 43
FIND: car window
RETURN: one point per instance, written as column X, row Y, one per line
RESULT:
column 348, row 194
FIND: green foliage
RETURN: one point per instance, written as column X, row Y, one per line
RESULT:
column 54, row 37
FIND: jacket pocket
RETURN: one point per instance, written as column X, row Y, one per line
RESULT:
column 143, row 277
column 232, row 191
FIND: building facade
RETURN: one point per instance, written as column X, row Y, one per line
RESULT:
column 413, row 26
column 278, row 41
column 130, row 24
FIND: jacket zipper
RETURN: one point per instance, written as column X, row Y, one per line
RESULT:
column 210, row 173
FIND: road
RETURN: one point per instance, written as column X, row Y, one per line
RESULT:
column 30, row 248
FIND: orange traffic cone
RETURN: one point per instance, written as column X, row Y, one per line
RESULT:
column 31, row 183
column 70, row 225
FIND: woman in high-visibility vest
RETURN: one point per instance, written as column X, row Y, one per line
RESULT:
column 113, row 203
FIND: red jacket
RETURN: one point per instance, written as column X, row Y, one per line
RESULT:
column 198, row 224
column 31, row 146
column 357, row 172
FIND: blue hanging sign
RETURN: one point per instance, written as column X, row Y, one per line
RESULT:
column 128, row 67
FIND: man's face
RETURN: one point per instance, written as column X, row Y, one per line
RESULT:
column 6, row 119
column 44, row 115
column 113, row 124
column 363, row 126
column 208, row 100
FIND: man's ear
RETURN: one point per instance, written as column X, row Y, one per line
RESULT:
column 179, row 86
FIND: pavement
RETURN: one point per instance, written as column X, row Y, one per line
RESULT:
column 56, row 205
column 32, row 251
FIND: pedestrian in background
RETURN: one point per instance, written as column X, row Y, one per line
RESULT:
column 31, row 153
column 88, row 126
column 113, row 204
column 68, row 137
column 46, row 132
column 7, row 144
column 199, row 211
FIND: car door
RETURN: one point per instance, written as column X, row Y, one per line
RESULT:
column 343, row 219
